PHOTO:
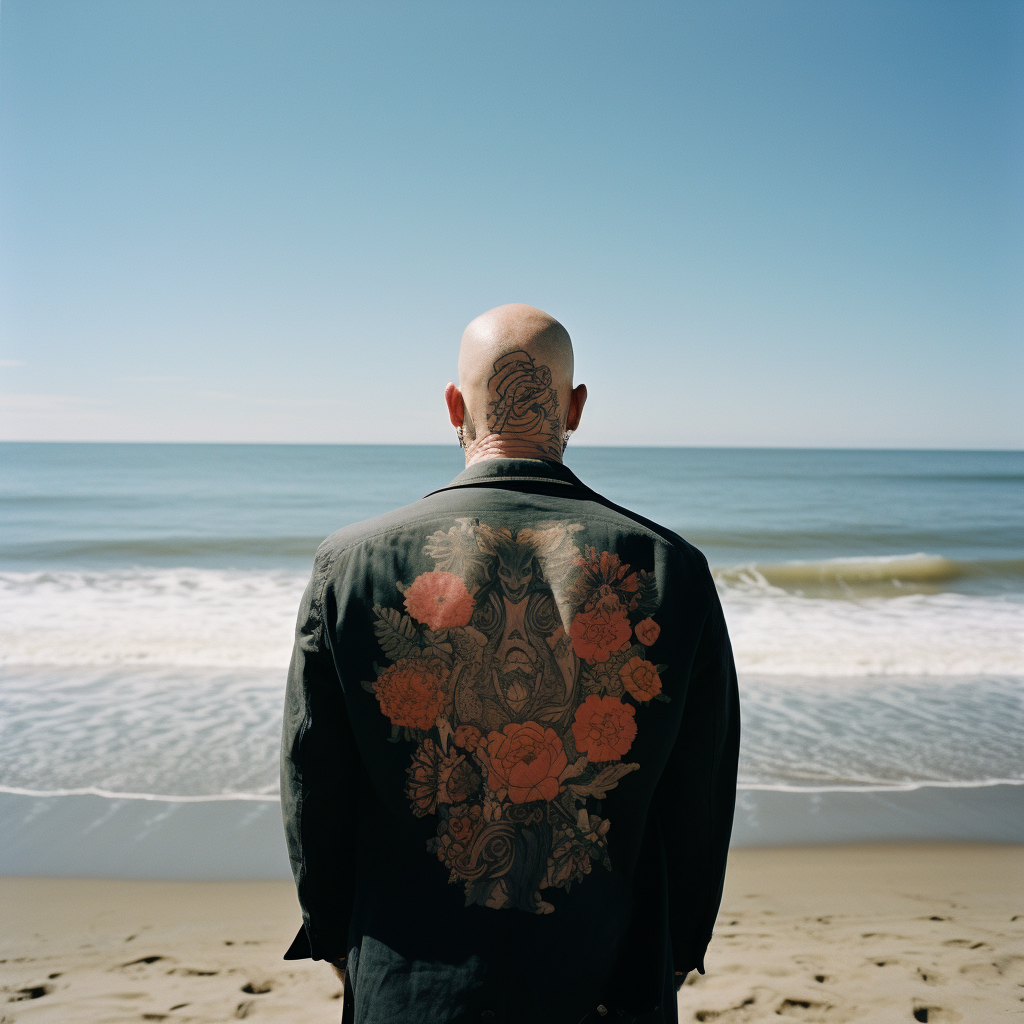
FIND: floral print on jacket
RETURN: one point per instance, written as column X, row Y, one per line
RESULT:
column 515, row 668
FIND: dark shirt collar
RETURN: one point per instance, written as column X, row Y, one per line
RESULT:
column 495, row 472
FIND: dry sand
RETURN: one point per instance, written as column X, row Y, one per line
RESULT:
column 869, row 933
column 866, row 933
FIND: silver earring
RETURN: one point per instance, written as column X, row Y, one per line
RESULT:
column 462, row 440
column 565, row 439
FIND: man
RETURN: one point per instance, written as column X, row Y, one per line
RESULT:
column 511, row 729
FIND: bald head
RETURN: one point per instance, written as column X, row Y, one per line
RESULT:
column 515, row 378
column 512, row 328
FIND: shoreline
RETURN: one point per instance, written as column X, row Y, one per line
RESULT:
column 224, row 840
column 893, row 932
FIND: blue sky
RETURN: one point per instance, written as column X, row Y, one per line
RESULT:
column 762, row 223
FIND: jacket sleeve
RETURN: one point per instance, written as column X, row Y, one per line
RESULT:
column 696, row 795
column 319, row 785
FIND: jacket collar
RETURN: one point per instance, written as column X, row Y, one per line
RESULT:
column 495, row 472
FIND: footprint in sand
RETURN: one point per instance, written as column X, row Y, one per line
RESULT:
column 935, row 1015
column 143, row 960
column 731, row 1013
column 802, row 1009
column 258, row 988
column 32, row 992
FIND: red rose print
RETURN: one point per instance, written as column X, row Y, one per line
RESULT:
column 600, row 631
column 525, row 759
column 439, row 599
column 410, row 691
column 640, row 678
column 647, row 631
column 604, row 728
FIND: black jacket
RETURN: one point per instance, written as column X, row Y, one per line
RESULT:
column 509, row 757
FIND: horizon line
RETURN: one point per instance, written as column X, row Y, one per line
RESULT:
column 438, row 444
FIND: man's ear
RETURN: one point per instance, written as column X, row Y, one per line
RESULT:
column 577, row 400
column 456, row 406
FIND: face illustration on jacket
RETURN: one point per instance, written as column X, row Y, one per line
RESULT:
column 515, row 670
column 518, row 666
column 515, row 569
column 527, row 663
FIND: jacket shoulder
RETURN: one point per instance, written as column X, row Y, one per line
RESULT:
column 332, row 554
column 335, row 547
column 684, row 554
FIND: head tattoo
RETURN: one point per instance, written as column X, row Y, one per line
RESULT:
column 524, row 402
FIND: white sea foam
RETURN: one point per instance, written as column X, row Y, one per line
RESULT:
column 169, row 617
column 778, row 632
column 245, row 619
column 171, row 798
column 767, row 787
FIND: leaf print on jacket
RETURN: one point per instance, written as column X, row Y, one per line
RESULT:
column 513, row 673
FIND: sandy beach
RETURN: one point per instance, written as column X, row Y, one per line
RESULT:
column 896, row 932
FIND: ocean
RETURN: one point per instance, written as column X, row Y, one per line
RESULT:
column 875, row 601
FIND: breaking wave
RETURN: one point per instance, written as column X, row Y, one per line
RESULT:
column 230, row 618
column 918, row 568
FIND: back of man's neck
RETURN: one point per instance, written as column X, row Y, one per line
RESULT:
column 495, row 446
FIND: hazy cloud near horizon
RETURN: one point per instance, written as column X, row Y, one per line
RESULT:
column 791, row 224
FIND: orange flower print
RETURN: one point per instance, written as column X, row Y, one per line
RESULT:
column 468, row 737
column 604, row 728
column 647, row 631
column 640, row 678
column 410, row 691
column 600, row 631
column 604, row 573
column 525, row 759
column 510, row 815
column 439, row 599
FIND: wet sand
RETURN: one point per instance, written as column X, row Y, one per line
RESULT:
column 225, row 840
column 894, row 932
